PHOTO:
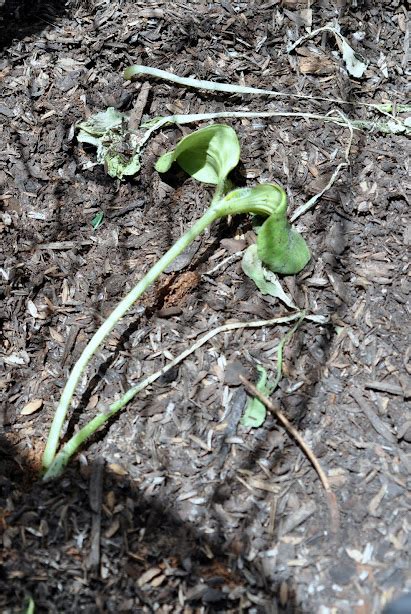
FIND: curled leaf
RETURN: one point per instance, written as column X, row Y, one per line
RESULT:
column 208, row 154
column 281, row 248
column 264, row 199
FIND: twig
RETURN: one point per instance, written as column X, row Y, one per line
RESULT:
column 331, row 499
column 95, row 498
column 310, row 203
column 72, row 445
column 389, row 388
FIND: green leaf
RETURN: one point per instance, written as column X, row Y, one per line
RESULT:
column 119, row 165
column 266, row 281
column 97, row 220
column 281, row 248
column 255, row 411
column 208, row 154
column 264, row 199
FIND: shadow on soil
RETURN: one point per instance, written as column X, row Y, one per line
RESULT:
column 48, row 531
column 21, row 18
column 50, row 553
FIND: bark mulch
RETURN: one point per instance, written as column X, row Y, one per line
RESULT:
column 175, row 506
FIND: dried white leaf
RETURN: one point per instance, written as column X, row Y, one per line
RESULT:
column 266, row 281
column 117, row 469
column 148, row 575
column 22, row 358
column 55, row 335
column 32, row 309
column 354, row 554
column 354, row 65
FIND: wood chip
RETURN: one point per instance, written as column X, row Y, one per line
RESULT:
column 294, row 519
column 375, row 420
column 31, row 407
column 374, row 504
column 117, row 469
column 389, row 388
column 148, row 575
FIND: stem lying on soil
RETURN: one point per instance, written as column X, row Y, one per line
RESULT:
column 108, row 325
column 71, row 447
column 213, row 86
column 331, row 499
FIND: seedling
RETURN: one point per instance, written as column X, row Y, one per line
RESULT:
column 208, row 155
column 97, row 220
column 255, row 412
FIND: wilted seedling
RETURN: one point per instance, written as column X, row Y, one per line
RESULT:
column 117, row 147
column 208, row 155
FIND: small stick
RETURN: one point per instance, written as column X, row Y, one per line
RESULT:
column 331, row 499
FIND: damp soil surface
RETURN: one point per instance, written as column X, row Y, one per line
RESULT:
column 175, row 506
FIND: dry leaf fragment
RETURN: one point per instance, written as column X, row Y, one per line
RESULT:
column 374, row 504
column 31, row 407
column 56, row 336
column 148, row 575
column 315, row 65
column 158, row 581
column 32, row 309
column 112, row 530
column 117, row 469
column 93, row 401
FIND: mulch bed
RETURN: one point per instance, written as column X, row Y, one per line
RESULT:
column 175, row 506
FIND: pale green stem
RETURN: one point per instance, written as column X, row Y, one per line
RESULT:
column 197, row 117
column 71, row 447
column 138, row 69
column 61, row 459
column 356, row 124
column 59, row 417
column 219, row 207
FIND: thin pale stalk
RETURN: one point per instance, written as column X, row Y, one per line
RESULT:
column 197, row 117
column 108, row 325
column 71, row 447
column 138, row 69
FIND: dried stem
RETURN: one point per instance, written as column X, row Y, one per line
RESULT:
column 331, row 499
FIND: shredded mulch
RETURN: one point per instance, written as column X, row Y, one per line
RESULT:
column 176, row 506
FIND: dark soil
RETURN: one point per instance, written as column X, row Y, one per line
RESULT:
column 176, row 507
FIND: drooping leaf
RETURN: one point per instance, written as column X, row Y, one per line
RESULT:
column 208, row 154
column 264, row 199
column 255, row 412
column 281, row 248
column 266, row 281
